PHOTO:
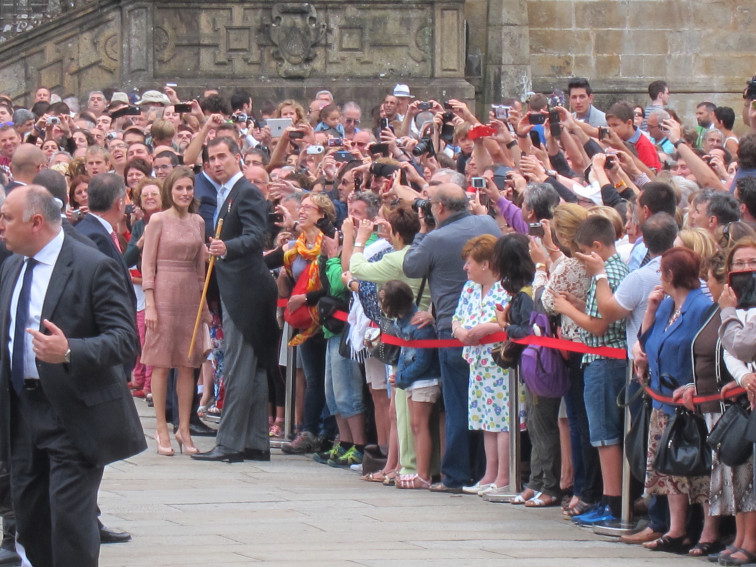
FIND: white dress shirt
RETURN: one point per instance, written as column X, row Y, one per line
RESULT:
column 223, row 191
column 47, row 257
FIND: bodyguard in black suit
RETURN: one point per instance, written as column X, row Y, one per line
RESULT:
column 66, row 411
column 248, row 299
column 107, row 206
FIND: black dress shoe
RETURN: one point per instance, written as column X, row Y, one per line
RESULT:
column 220, row 453
column 256, row 455
column 113, row 536
column 199, row 430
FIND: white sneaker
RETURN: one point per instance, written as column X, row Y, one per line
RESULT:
column 357, row 467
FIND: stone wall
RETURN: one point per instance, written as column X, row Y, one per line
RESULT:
column 703, row 49
column 276, row 50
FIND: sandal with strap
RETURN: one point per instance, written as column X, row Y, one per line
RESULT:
column 729, row 550
column 390, row 478
column 731, row 560
column 706, row 548
column 523, row 497
column 378, row 476
column 412, row 482
column 580, row 508
column 669, row 544
column 541, row 500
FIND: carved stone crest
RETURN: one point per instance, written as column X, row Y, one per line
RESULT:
column 295, row 30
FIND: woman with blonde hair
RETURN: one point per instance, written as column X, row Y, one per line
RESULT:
column 702, row 243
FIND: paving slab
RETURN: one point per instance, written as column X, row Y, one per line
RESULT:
column 295, row 512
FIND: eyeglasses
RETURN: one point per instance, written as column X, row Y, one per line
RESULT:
column 639, row 114
column 4, row 124
column 740, row 264
column 310, row 208
column 351, row 120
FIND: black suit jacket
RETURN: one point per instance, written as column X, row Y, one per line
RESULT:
column 246, row 286
column 93, row 229
column 88, row 299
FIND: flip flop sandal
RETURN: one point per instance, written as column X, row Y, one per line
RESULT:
column 541, row 500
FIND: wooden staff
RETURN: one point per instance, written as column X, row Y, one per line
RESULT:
column 204, row 292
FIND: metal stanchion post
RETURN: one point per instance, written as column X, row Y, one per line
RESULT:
column 514, row 441
column 625, row 525
column 291, row 380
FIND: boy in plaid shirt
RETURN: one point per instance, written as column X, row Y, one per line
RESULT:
column 604, row 377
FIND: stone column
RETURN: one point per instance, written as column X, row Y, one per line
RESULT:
column 506, row 70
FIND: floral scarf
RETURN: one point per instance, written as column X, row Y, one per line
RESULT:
column 311, row 277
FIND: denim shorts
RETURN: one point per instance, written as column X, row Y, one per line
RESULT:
column 343, row 382
column 604, row 379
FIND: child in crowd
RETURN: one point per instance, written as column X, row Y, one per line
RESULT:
column 418, row 373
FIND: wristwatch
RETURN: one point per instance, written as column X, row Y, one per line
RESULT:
column 67, row 356
column 680, row 141
column 511, row 144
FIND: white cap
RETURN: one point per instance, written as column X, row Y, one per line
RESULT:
column 401, row 90
column 154, row 97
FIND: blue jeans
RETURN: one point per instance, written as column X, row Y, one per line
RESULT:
column 604, row 379
column 455, row 373
column 343, row 382
column 313, row 364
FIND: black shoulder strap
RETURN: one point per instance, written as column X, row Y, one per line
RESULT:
column 420, row 292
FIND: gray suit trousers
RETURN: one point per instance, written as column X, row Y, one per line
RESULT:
column 244, row 424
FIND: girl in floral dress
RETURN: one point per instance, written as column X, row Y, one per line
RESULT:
column 488, row 393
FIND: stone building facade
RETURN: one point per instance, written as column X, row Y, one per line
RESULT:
column 478, row 50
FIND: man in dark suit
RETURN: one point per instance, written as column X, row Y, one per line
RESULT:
column 107, row 206
column 248, row 299
column 55, row 183
column 66, row 410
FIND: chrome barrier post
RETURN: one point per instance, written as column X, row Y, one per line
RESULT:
column 514, row 442
column 291, row 381
column 625, row 525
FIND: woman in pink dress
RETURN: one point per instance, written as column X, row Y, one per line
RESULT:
column 173, row 274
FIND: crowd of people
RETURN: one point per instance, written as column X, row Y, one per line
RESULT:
column 323, row 227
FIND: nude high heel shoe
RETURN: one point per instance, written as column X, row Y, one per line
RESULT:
column 190, row 448
column 161, row 450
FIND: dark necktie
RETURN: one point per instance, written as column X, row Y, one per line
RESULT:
column 646, row 259
column 19, row 327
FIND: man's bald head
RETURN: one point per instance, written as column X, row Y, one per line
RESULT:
column 449, row 199
column 26, row 162
column 452, row 196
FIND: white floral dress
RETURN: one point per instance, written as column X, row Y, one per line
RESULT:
column 488, row 390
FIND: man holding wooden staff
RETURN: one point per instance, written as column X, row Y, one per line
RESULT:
column 248, row 301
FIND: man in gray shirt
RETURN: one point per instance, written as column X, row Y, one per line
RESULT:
column 438, row 256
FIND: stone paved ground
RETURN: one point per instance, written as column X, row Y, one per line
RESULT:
column 293, row 511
